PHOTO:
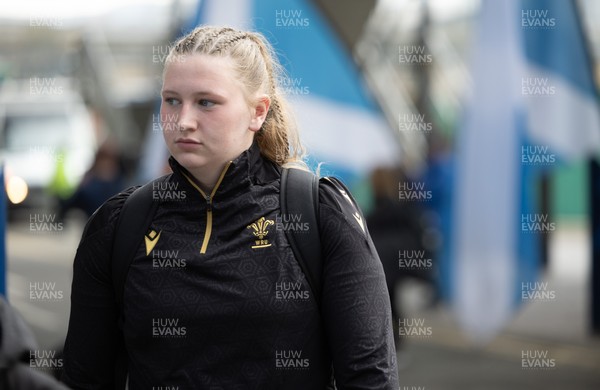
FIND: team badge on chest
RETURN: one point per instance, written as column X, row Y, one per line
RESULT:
column 261, row 231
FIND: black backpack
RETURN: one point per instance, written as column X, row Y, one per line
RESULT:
column 299, row 196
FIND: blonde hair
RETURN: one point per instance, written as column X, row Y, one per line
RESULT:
column 259, row 71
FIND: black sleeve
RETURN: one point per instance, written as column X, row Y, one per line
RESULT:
column 93, row 338
column 356, row 306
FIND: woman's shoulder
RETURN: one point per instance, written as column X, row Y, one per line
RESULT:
column 334, row 195
column 108, row 213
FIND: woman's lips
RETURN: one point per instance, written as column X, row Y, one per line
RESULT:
column 187, row 143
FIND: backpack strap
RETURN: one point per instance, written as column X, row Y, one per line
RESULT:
column 299, row 197
column 133, row 223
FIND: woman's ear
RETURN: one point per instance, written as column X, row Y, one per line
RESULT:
column 259, row 112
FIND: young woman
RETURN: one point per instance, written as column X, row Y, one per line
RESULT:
column 207, row 305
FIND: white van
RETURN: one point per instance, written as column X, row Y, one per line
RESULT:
column 47, row 137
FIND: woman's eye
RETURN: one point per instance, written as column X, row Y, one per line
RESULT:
column 206, row 103
column 171, row 101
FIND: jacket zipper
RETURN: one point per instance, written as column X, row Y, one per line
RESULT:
column 209, row 200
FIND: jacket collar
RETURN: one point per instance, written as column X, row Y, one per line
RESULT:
column 248, row 169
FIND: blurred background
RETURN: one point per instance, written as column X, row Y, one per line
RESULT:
column 468, row 130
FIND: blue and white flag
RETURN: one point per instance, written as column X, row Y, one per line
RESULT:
column 533, row 103
column 339, row 122
column 486, row 196
column 563, row 111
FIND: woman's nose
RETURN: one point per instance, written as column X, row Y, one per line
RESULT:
column 186, row 120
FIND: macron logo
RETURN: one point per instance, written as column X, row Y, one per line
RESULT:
column 151, row 239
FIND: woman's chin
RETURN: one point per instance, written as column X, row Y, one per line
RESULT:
column 189, row 161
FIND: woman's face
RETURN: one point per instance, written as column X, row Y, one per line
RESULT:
column 206, row 118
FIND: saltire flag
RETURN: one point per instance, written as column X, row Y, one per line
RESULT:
column 564, row 115
column 340, row 124
column 522, row 118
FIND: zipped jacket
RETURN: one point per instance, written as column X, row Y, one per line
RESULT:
column 214, row 298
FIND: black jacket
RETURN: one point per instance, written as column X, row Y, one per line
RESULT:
column 214, row 298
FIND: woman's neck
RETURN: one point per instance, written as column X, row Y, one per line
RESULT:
column 207, row 177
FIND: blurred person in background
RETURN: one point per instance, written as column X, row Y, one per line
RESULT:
column 214, row 320
column 104, row 179
column 398, row 230
column 19, row 355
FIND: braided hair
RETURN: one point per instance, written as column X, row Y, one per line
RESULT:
column 257, row 67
